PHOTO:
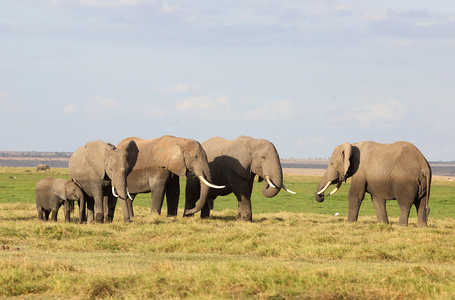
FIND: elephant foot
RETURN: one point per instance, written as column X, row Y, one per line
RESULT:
column 247, row 217
column 108, row 218
column 99, row 218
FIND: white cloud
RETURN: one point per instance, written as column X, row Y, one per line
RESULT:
column 70, row 109
column 98, row 105
column 4, row 95
column 314, row 141
column 383, row 115
column 203, row 103
column 166, row 8
column 148, row 111
column 281, row 110
column 108, row 3
column 179, row 88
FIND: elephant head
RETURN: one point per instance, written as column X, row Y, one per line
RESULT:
column 260, row 157
column 118, row 163
column 74, row 192
column 180, row 155
column 337, row 171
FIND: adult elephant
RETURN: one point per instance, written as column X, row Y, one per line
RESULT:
column 98, row 168
column 160, row 163
column 235, row 163
column 395, row 171
column 43, row 167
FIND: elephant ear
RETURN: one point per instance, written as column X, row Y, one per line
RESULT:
column 96, row 156
column 346, row 153
column 132, row 152
column 238, row 157
column 59, row 189
column 168, row 154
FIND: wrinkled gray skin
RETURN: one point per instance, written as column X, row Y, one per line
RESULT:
column 43, row 167
column 395, row 171
column 235, row 163
column 51, row 193
column 99, row 166
column 159, row 165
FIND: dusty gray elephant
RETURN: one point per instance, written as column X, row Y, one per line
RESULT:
column 234, row 163
column 159, row 165
column 43, row 167
column 101, row 168
column 395, row 171
column 51, row 193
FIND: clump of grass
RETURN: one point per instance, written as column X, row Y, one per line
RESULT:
column 303, row 251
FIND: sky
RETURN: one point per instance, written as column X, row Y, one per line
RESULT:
column 305, row 75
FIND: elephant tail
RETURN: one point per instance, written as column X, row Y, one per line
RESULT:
column 426, row 189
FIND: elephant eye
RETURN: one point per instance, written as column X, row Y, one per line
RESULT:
column 196, row 156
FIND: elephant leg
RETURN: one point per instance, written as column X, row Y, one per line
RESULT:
column 422, row 213
column 355, row 197
column 205, row 211
column 54, row 215
column 172, row 195
column 380, row 208
column 405, row 201
column 106, row 207
column 157, row 200
column 40, row 213
column 82, row 211
column 111, row 203
column 404, row 215
column 46, row 214
column 99, row 208
column 90, row 210
column 244, row 202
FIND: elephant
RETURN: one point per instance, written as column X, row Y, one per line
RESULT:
column 396, row 171
column 43, row 167
column 51, row 193
column 235, row 163
column 160, row 164
column 100, row 167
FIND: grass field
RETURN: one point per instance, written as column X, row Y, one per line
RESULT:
column 295, row 248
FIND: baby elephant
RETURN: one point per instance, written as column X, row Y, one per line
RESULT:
column 51, row 193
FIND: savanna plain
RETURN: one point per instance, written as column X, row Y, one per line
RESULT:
column 295, row 248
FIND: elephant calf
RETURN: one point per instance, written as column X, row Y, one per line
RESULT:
column 51, row 193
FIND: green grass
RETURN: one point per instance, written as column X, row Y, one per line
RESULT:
column 295, row 248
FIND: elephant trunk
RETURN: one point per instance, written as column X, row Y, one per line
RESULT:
column 273, row 184
column 120, row 187
column 202, row 200
column 327, row 179
column 205, row 179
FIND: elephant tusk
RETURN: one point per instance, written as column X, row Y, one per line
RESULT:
column 288, row 190
column 128, row 193
column 336, row 189
column 270, row 182
column 202, row 179
column 325, row 188
column 113, row 192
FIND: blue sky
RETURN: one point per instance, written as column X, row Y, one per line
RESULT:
column 306, row 75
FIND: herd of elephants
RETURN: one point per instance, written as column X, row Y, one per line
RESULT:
column 102, row 174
